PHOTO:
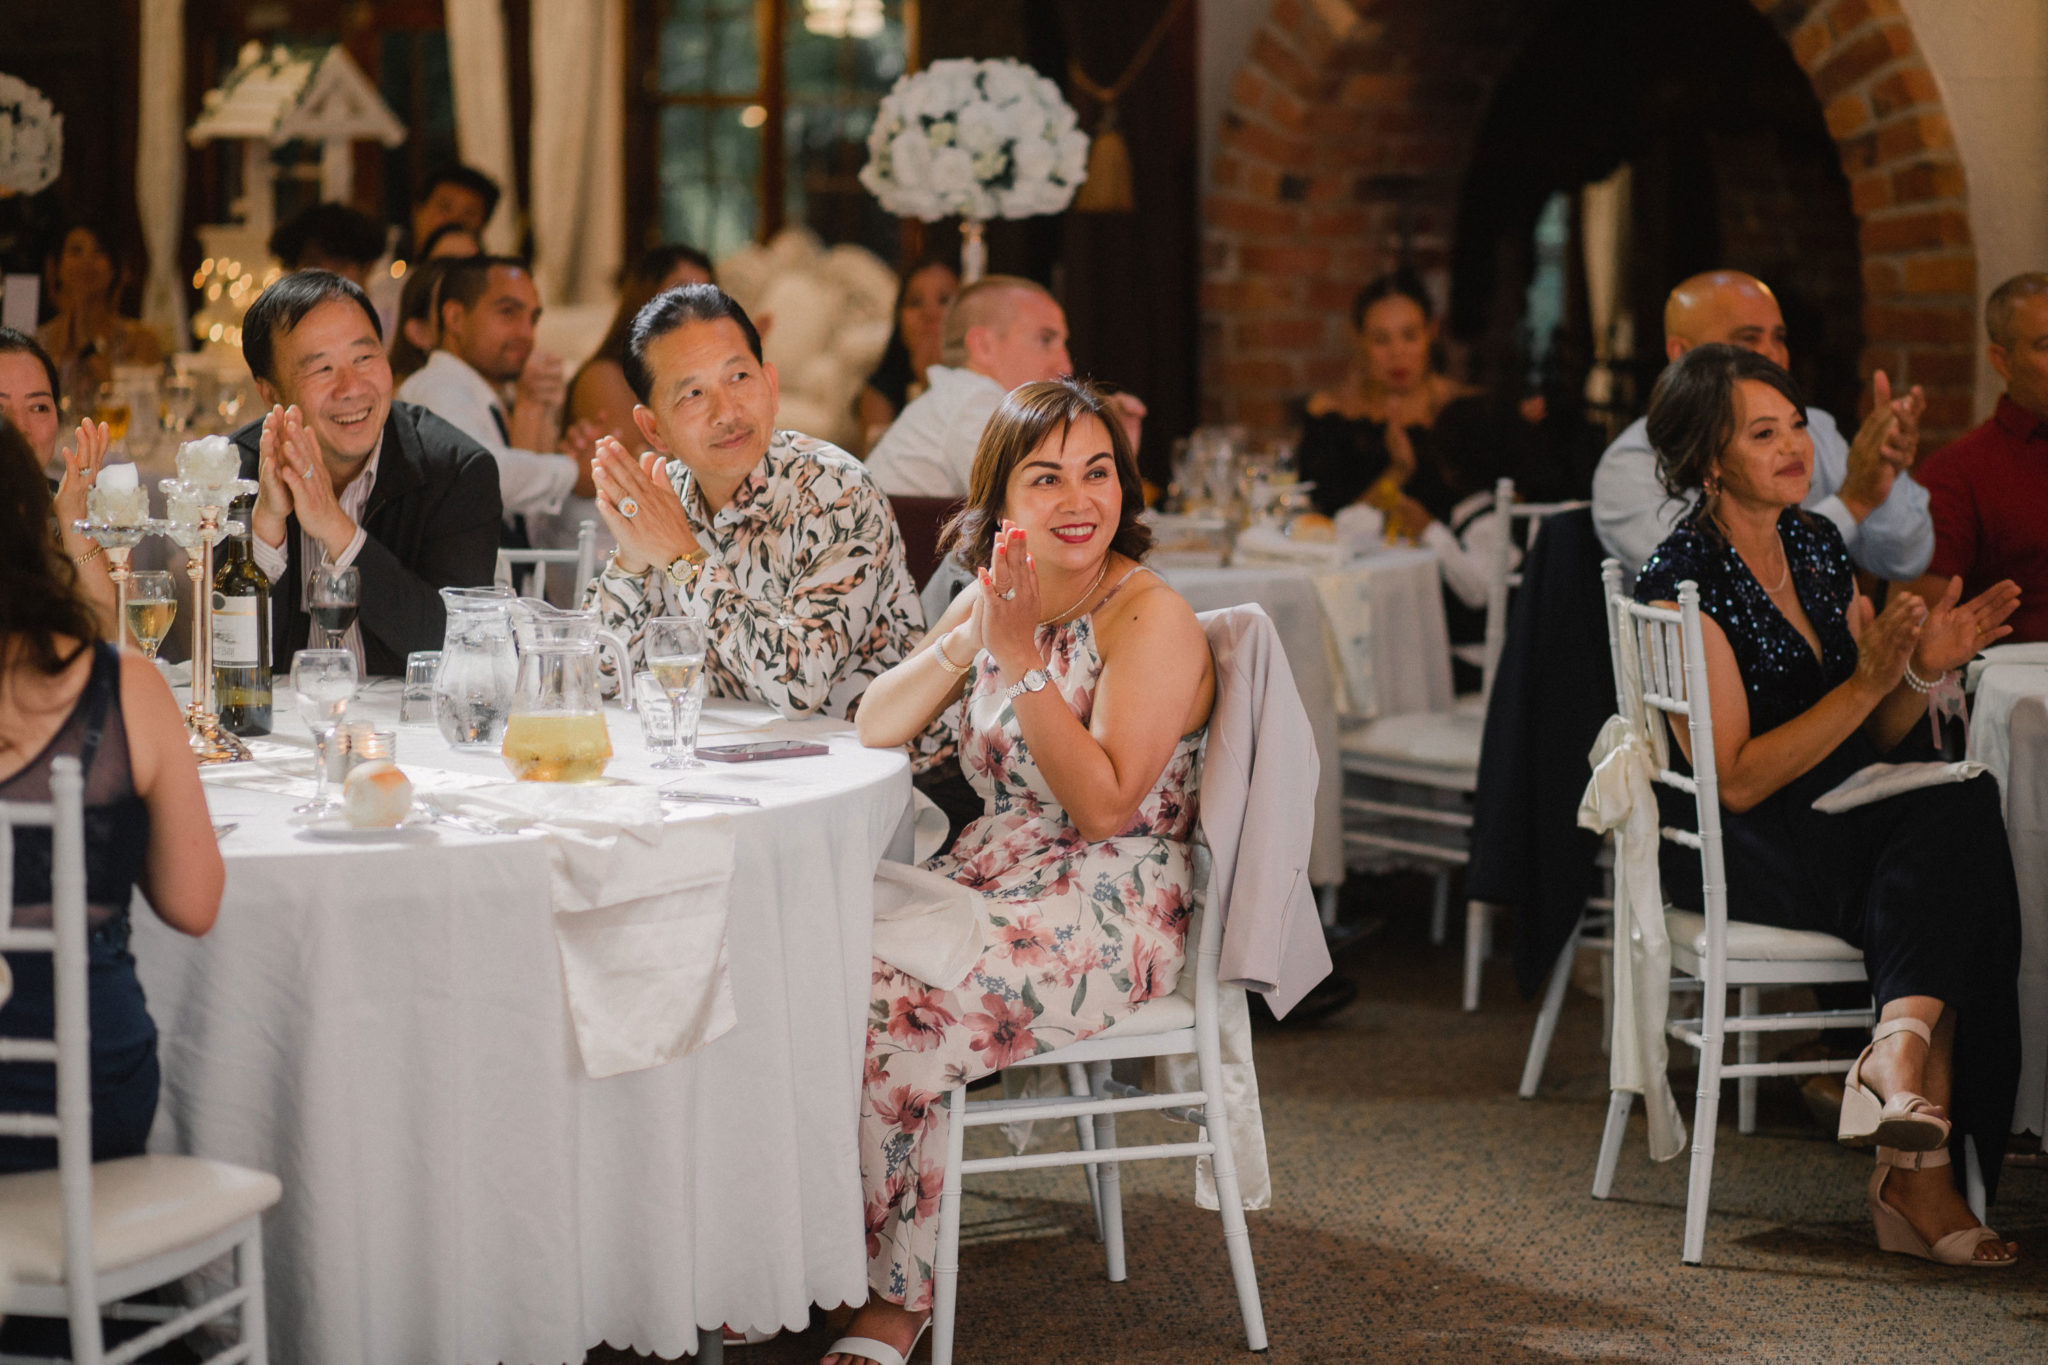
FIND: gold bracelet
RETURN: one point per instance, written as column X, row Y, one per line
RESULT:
column 946, row 660
column 82, row 560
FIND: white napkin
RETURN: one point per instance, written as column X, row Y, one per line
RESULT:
column 1269, row 543
column 926, row 924
column 1881, row 780
column 1361, row 530
column 640, row 914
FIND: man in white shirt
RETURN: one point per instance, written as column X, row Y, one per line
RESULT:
column 488, row 310
column 1001, row 331
column 1861, row 486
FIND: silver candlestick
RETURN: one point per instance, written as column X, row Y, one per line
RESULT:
column 196, row 526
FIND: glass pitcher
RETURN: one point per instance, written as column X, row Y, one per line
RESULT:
column 556, row 732
column 479, row 669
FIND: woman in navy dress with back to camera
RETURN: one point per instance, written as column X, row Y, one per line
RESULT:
column 1807, row 685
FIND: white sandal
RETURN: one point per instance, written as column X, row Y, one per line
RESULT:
column 1901, row 1121
column 880, row 1352
column 1896, row 1233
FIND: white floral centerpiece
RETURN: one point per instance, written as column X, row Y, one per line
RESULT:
column 981, row 139
column 31, row 138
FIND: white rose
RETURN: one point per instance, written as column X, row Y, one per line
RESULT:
column 1035, row 159
column 952, row 173
column 910, row 159
column 941, row 134
column 1006, row 82
column 982, row 128
column 1073, row 157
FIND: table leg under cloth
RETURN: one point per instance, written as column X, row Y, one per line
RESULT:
column 2026, row 825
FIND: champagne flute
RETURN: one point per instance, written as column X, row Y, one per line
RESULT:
column 325, row 680
column 152, row 606
column 675, row 648
column 332, row 595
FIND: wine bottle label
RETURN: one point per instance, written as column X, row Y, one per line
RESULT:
column 234, row 631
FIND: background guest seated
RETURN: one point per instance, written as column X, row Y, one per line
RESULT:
column 330, row 237
column 1990, row 488
column 350, row 477
column 485, row 316
column 599, row 393
column 88, row 337
column 28, row 399
column 1002, row 331
column 452, row 195
column 66, row 693
column 1808, row 686
column 915, row 346
column 1396, row 428
column 1861, row 486
column 1088, row 685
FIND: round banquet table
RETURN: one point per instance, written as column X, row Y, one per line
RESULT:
column 383, row 1025
column 2009, row 734
column 1364, row 639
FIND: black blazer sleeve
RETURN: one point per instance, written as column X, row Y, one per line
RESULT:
column 456, row 546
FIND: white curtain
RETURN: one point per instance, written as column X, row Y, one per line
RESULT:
column 483, row 107
column 579, row 173
column 160, row 164
column 1604, row 216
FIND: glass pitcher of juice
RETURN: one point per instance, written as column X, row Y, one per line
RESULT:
column 556, row 731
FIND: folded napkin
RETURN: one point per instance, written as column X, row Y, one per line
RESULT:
column 1268, row 543
column 926, row 924
column 640, row 911
column 1881, row 780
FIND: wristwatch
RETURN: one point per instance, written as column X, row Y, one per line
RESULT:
column 682, row 570
column 1034, row 681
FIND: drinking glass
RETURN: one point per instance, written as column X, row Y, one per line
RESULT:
column 110, row 405
column 152, row 606
column 233, row 395
column 331, row 597
column 675, row 647
column 416, row 703
column 325, row 680
column 180, row 401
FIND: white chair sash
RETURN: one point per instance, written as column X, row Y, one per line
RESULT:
column 1622, row 797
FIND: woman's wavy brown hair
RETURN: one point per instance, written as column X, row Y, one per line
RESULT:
column 1030, row 415
column 40, row 604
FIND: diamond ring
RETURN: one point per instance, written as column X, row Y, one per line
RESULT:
column 1008, row 594
column 629, row 508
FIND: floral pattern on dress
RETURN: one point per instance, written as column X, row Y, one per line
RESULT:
column 1076, row 936
column 807, row 591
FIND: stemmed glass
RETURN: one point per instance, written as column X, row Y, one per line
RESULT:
column 152, row 606
column 331, row 598
column 325, row 680
column 230, row 400
column 675, row 647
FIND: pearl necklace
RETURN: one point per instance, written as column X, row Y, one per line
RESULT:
column 1083, row 597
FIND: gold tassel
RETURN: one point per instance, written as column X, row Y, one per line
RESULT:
column 1108, row 186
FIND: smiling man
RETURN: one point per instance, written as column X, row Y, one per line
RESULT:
column 350, row 477
column 777, row 539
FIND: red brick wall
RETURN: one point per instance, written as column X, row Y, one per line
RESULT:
column 1350, row 120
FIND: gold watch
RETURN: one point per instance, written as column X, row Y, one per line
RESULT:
column 683, row 569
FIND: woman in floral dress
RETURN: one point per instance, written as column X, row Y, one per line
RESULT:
column 1085, row 684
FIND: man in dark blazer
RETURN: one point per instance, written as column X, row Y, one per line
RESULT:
column 350, row 477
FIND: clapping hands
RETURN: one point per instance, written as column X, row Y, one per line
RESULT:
column 1007, row 613
column 292, row 478
column 1885, row 641
column 82, row 461
column 1956, row 630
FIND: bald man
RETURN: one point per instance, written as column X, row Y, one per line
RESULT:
column 1002, row 331
column 1860, row 485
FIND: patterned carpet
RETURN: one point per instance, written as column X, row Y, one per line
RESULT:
column 1423, row 1213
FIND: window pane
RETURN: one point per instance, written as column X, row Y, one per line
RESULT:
column 708, row 47
column 710, row 173
column 840, row 57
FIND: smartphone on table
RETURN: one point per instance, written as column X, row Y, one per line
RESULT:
column 760, row 751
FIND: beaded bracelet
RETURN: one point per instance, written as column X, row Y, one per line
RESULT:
column 1920, row 684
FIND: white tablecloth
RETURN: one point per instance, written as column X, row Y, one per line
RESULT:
column 2009, row 732
column 384, row 1027
column 1392, row 634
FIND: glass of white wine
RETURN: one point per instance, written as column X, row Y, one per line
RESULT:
column 675, row 648
column 152, row 606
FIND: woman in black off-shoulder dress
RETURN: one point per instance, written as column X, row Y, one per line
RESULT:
column 1809, row 686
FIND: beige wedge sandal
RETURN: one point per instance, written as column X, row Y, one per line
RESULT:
column 1895, row 1233
column 1904, row 1121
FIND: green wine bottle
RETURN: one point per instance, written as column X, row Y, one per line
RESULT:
column 241, row 637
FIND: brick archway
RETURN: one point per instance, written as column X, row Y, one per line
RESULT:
column 1350, row 122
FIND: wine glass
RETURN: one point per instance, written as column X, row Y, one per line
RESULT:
column 675, row 647
column 233, row 395
column 152, row 606
column 180, row 401
column 110, row 405
column 331, row 598
column 325, row 680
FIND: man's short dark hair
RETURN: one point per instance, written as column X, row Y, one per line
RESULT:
column 13, row 342
column 334, row 231
column 465, row 278
column 667, row 311
column 284, row 305
column 462, row 177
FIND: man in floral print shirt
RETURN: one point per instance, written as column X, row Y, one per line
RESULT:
column 778, row 539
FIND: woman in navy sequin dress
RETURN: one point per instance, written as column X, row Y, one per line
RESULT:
column 1808, row 685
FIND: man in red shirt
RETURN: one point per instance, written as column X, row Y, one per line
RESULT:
column 1989, row 489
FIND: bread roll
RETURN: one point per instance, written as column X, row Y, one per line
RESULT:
column 376, row 796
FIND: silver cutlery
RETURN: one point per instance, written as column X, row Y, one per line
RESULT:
column 712, row 798
column 222, row 829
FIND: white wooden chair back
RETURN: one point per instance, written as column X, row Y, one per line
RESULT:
column 581, row 561
column 69, row 1051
